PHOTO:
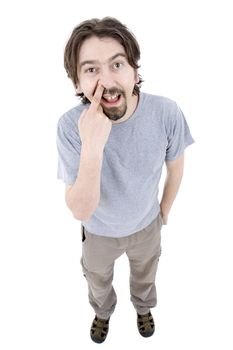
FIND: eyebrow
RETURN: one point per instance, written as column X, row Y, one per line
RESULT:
column 96, row 61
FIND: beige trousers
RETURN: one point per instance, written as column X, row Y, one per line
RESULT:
column 99, row 253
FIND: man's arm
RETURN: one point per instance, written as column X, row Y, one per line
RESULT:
column 94, row 128
column 82, row 198
column 171, row 186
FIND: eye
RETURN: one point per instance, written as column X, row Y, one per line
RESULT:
column 117, row 65
column 90, row 70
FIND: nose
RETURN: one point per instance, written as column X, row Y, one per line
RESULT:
column 106, row 79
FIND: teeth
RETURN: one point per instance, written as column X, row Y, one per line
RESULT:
column 109, row 98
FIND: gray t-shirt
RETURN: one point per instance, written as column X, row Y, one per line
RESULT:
column 132, row 163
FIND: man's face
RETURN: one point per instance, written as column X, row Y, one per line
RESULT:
column 104, row 60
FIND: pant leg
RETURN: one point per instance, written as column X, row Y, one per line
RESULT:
column 98, row 257
column 143, row 252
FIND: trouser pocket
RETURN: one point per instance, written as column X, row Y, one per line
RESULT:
column 83, row 233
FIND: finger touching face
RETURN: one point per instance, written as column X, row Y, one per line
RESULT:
column 96, row 99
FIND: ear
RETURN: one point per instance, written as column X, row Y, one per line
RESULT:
column 78, row 89
column 136, row 77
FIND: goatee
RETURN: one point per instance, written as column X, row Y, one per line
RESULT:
column 115, row 113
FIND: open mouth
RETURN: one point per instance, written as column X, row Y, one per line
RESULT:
column 110, row 100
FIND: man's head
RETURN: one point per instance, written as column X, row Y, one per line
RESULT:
column 104, row 51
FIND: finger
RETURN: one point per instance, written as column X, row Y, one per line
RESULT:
column 97, row 97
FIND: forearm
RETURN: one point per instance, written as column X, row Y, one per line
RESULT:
column 85, row 193
column 171, row 186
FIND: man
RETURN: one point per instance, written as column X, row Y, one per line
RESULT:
column 112, row 148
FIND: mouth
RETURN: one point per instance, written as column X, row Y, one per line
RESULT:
column 111, row 100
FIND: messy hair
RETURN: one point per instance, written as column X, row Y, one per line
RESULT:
column 106, row 27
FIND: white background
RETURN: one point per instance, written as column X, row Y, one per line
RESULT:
column 186, row 55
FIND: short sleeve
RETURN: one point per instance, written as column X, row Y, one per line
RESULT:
column 69, row 149
column 178, row 135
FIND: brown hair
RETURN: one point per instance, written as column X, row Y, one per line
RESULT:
column 106, row 27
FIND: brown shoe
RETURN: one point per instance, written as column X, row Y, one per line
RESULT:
column 145, row 323
column 99, row 330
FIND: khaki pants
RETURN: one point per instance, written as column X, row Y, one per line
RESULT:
column 99, row 253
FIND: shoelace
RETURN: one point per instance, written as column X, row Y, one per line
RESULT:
column 98, row 327
column 146, row 320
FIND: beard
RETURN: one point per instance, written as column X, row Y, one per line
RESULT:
column 115, row 112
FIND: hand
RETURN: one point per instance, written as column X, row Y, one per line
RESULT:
column 94, row 126
column 165, row 219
